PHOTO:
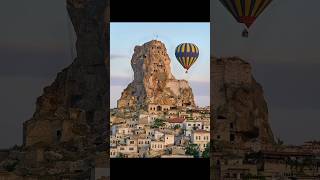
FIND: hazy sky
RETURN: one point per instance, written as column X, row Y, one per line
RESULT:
column 283, row 49
column 125, row 36
column 35, row 44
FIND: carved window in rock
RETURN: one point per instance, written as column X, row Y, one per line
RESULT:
column 231, row 125
column 58, row 135
column 232, row 137
column 75, row 99
column 221, row 117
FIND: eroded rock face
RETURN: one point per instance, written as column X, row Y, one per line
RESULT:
column 78, row 96
column 240, row 109
column 69, row 127
column 153, row 81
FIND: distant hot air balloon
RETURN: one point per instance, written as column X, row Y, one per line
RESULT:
column 187, row 54
column 245, row 11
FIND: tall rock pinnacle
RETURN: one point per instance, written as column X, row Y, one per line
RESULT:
column 153, row 82
column 66, row 136
column 240, row 108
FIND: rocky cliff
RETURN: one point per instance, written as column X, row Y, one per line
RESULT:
column 69, row 127
column 153, row 82
column 240, row 110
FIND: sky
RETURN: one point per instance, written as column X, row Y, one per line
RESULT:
column 35, row 43
column 125, row 36
column 283, row 49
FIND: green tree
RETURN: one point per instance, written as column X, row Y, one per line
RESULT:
column 206, row 152
column 158, row 123
column 177, row 126
column 193, row 149
column 120, row 155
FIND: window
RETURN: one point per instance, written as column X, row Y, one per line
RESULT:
column 189, row 124
column 122, row 149
column 231, row 125
column 59, row 134
column 131, row 149
column 131, row 142
column 232, row 137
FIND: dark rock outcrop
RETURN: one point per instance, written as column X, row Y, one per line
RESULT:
column 240, row 110
column 68, row 130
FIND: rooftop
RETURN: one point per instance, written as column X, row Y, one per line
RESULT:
column 176, row 120
column 201, row 131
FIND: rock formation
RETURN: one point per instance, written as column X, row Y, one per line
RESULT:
column 69, row 127
column 153, row 82
column 240, row 110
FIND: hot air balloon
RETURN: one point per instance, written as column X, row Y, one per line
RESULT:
column 245, row 11
column 187, row 54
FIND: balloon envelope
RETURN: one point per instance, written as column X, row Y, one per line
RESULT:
column 246, row 11
column 187, row 54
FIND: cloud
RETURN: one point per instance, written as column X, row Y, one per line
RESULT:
column 118, row 56
column 199, row 88
column 120, row 80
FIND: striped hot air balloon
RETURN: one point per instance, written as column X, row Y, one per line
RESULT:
column 187, row 54
column 246, row 11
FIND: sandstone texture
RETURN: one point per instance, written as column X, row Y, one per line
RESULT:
column 153, row 82
column 239, row 108
column 68, row 130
